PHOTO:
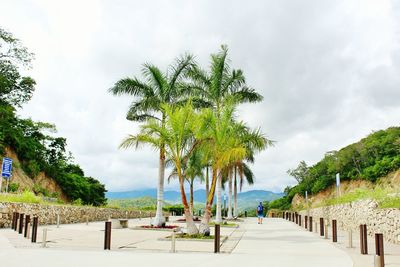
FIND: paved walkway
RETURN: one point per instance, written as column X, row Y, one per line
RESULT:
column 274, row 243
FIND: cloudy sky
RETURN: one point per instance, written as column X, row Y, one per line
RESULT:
column 329, row 72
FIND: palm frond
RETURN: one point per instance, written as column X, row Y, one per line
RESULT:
column 132, row 87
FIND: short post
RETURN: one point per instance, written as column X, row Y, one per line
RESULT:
column 310, row 224
column 21, row 223
column 44, row 237
column 28, row 235
column 350, row 238
column 217, row 238
column 306, row 221
column 34, row 229
column 363, row 239
column 27, row 221
column 334, row 231
column 299, row 220
column 326, row 230
column 321, row 226
column 173, row 241
column 16, row 221
column 13, row 220
column 380, row 255
column 58, row 220
column 245, row 213
column 107, row 236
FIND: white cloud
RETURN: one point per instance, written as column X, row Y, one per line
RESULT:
column 328, row 72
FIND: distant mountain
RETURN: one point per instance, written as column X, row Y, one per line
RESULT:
column 245, row 199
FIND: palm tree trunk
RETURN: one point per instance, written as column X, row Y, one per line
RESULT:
column 235, row 210
column 191, row 227
column 159, row 219
column 230, row 196
column 207, row 183
column 191, row 198
column 204, row 228
column 218, row 216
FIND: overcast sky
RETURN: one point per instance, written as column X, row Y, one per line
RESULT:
column 329, row 72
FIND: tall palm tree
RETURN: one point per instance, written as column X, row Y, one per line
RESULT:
column 216, row 88
column 155, row 90
column 176, row 134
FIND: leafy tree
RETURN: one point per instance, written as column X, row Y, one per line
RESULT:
column 177, row 135
column 300, row 172
column 15, row 89
column 156, row 90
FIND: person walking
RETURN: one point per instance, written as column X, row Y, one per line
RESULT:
column 260, row 213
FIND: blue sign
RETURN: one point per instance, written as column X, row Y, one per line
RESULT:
column 6, row 167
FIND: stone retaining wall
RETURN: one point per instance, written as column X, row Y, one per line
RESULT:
column 68, row 214
column 351, row 215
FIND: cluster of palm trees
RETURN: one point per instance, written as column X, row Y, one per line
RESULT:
column 188, row 115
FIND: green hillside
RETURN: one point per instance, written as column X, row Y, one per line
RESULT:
column 36, row 147
column 372, row 157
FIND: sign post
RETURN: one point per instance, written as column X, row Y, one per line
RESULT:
column 338, row 184
column 6, row 169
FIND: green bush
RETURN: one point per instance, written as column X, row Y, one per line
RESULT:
column 13, row 187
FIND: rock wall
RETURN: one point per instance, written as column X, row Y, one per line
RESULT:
column 68, row 214
column 351, row 215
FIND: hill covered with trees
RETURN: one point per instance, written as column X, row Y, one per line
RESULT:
column 37, row 150
column 371, row 158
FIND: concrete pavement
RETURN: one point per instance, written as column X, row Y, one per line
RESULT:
column 274, row 243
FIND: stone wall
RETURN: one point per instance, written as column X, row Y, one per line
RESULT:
column 68, row 214
column 351, row 215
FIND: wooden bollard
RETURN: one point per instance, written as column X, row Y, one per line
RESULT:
column 363, row 239
column 34, row 229
column 21, row 223
column 16, row 221
column 13, row 220
column 334, row 231
column 310, row 224
column 217, row 238
column 306, row 221
column 321, row 226
column 27, row 221
column 299, row 220
column 379, row 250
column 107, row 236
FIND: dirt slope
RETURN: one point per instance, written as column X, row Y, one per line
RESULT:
column 392, row 181
column 25, row 182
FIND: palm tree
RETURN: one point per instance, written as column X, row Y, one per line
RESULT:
column 192, row 170
column 150, row 94
column 222, row 84
column 223, row 147
column 217, row 88
column 176, row 134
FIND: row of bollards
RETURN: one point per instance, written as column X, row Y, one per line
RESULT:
column 323, row 231
column 22, row 223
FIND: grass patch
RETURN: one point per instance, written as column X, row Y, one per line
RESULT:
column 381, row 195
column 25, row 197
column 224, row 224
column 196, row 236
column 390, row 202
